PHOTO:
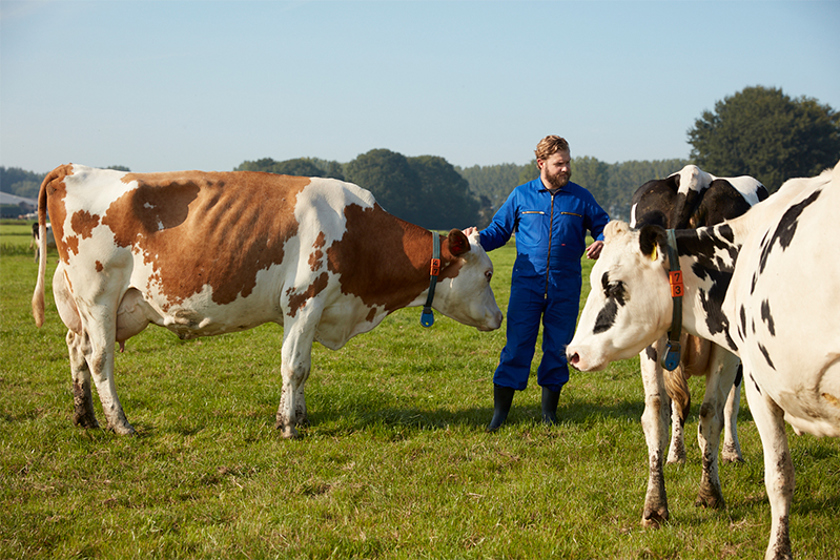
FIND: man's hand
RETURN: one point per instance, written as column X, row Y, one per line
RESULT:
column 594, row 250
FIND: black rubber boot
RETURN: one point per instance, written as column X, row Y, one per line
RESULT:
column 549, row 405
column 502, row 399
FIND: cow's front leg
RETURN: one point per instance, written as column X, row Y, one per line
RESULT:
column 296, row 364
column 78, row 346
column 719, row 381
column 655, row 425
column 779, row 478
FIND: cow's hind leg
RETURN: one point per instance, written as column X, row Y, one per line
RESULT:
column 655, row 425
column 731, row 451
column 78, row 346
column 298, row 337
column 100, row 326
column 778, row 467
column 719, row 381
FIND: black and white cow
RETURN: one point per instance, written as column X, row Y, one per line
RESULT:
column 765, row 286
column 690, row 198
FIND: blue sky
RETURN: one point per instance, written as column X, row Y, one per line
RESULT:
column 160, row 85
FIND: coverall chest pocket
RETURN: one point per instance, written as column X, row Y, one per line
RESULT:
column 533, row 228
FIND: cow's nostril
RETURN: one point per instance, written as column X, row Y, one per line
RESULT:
column 574, row 358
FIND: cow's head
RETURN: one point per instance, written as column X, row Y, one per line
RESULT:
column 463, row 292
column 629, row 305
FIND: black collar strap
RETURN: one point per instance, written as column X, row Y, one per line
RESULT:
column 427, row 319
column 671, row 359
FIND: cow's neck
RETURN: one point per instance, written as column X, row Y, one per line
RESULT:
column 707, row 258
column 403, row 279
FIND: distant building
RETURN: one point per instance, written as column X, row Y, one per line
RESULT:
column 12, row 206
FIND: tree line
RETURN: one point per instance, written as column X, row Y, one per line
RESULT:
column 758, row 131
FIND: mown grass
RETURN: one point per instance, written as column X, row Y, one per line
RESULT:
column 395, row 465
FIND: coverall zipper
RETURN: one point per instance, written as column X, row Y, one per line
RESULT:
column 550, row 231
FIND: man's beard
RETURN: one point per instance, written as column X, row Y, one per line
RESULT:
column 559, row 180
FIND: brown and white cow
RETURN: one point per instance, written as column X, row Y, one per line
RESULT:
column 209, row 253
column 766, row 286
column 690, row 198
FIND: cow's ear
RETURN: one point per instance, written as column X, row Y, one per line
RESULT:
column 651, row 240
column 458, row 242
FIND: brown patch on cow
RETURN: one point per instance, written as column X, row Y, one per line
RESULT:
column 382, row 259
column 299, row 299
column 371, row 315
column 72, row 244
column 832, row 400
column 206, row 229
column 55, row 191
column 316, row 258
column 99, row 267
column 83, row 222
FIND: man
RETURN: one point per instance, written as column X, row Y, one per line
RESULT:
column 550, row 216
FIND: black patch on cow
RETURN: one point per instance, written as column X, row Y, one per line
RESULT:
column 704, row 245
column 742, row 327
column 739, row 376
column 757, row 388
column 606, row 317
column 684, row 208
column 616, row 294
column 766, row 355
column 721, row 201
column 786, row 229
column 651, row 353
column 712, row 300
column 614, row 290
column 767, row 317
column 654, row 202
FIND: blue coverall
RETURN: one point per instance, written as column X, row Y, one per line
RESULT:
column 550, row 241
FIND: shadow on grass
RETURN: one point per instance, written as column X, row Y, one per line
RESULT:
column 364, row 414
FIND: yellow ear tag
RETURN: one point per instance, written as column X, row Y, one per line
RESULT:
column 655, row 254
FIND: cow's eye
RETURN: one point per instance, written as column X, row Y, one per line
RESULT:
column 615, row 290
column 488, row 274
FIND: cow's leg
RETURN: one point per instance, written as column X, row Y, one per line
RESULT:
column 731, row 451
column 298, row 337
column 655, row 426
column 676, row 450
column 778, row 467
column 100, row 327
column 719, row 381
column 78, row 346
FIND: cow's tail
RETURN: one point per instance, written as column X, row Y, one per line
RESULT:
column 38, row 296
column 677, row 388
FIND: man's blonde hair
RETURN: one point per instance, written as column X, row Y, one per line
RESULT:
column 551, row 145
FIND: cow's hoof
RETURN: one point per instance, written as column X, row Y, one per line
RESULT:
column 711, row 501
column 654, row 519
column 125, row 429
column 731, row 456
column 86, row 421
column 287, row 429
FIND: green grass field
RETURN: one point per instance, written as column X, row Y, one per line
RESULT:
column 396, row 463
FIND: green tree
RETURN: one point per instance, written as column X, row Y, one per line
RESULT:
column 765, row 133
column 445, row 197
column 391, row 179
column 301, row 167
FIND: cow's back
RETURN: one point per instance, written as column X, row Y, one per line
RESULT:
column 210, row 252
column 786, row 292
